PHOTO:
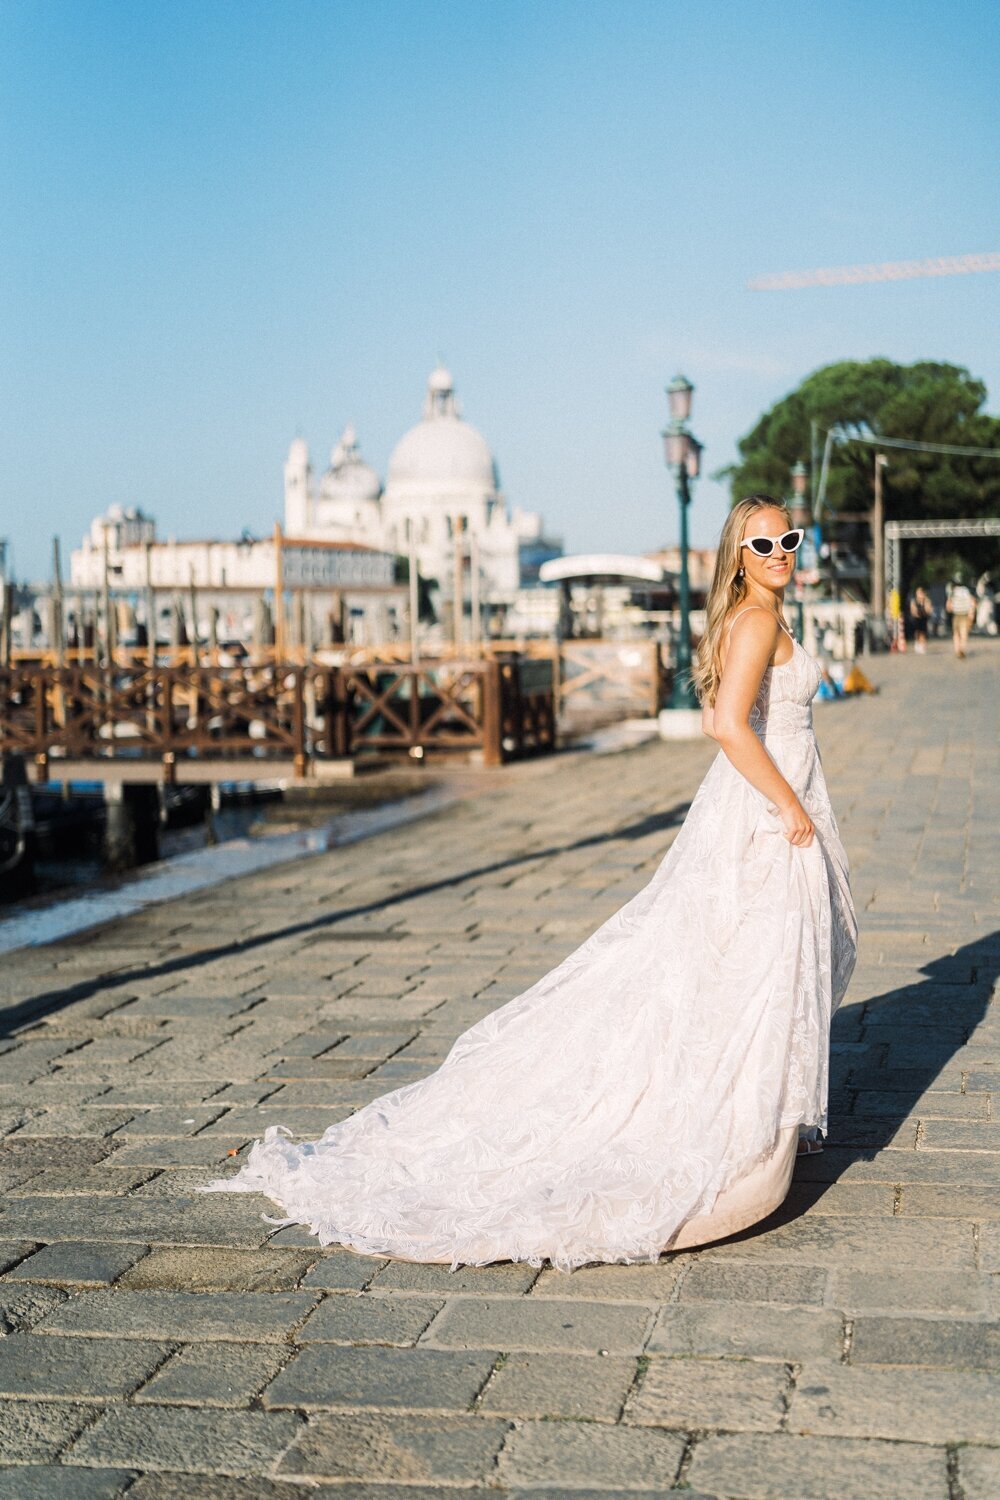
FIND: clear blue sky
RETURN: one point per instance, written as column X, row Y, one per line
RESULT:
column 227, row 222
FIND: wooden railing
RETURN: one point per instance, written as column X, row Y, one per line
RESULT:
column 502, row 708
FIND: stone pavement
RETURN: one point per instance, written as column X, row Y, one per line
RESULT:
column 163, row 1343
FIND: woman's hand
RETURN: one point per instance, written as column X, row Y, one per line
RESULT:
column 797, row 824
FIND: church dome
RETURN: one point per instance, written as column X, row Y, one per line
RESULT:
column 442, row 453
column 349, row 477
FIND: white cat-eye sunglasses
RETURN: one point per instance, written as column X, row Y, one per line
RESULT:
column 763, row 546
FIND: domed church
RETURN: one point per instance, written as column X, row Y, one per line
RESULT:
column 441, row 476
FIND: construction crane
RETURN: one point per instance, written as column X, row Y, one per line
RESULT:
column 893, row 270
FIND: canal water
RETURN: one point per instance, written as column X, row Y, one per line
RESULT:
column 73, row 894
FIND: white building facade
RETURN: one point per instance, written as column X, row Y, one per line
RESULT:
column 442, row 479
column 340, row 538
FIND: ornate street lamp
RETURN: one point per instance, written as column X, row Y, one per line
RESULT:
column 801, row 516
column 683, row 456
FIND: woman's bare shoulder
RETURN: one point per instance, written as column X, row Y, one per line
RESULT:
column 761, row 627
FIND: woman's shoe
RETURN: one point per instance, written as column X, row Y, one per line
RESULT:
column 808, row 1147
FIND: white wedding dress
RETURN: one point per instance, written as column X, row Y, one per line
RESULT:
column 648, row 1092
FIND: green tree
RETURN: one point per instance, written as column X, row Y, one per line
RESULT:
column 929, row 401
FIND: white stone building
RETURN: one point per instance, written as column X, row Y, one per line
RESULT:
column 330, row 587
column 341, row 535
column 441, row 475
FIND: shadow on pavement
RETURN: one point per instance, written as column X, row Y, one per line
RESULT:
column 900, row 1042
column 14, row 1016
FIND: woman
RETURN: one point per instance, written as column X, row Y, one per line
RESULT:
column 649, row 1092
column 921, row 611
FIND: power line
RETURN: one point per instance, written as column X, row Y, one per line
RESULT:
column 897, row 270
column 955, row 448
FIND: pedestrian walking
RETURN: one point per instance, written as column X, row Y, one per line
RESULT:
column 961, row 605
column 921, row 612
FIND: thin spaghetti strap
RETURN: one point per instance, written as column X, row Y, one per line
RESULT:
column 744, row 611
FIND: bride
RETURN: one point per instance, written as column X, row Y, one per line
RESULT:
column 651, row 1091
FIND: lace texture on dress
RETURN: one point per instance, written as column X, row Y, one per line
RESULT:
column 589, row 1118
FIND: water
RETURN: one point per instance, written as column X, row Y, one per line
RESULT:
column 198, row 865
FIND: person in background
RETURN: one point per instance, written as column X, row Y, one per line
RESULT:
column 961, row 606
column 986, row 608
column 921, row 611
column 897, row 637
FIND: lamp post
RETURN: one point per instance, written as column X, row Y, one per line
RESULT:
column 683, row 456
column 801, row 516
column 878, row 547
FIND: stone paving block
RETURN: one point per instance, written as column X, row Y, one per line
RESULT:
column 728, row 1281
column 186, row 1121
column 747, row 1332
column 368, row 1320
column 457, row 1450
column 909, row 1291
column 960, row 1135
column 292, row 1101
column 544, row 1325
column 764, row 1466
column 941, row 1167
column 224, row 1487
column 106, row 1181
column 13, row 1251
column 861, row 1244
column 147, row 1095
column 81, row 1263
column 36, row 1431
column 375, row 1044
column 215, row 1375
column 635, row 1283
column 574, row 1386
column 206, row 1220
column 478, row 1281
column 242, row 1093
column 217, row 1269
column 185, row 1440
column 51, row 1151
column 83, row 1121
column 91, row 1369
column 263, row 1317
column 951, row 1343
column 847, row 1199
column 940, row 1406
column 315, row 1070
column 979, row 1473
column 935, row 1201
column 56, row 1482
column 559, row 1454
column 989, row 1247
column 930, row 1106
column 249, row 1124
column 328, row 1375
column 157, row 1151
column 697, row 1393
column 180, row 1182
column 22, row 1305
column 342, row 1271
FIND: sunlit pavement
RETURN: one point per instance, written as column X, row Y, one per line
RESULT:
column 159, row 1340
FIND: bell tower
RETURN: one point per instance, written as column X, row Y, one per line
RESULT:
column 298, row 501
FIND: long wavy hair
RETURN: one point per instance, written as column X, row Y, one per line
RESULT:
column 727, row 591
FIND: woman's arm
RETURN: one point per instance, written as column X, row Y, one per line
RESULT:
column 751, row 645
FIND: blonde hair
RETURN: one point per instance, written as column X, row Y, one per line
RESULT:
column 727, row 590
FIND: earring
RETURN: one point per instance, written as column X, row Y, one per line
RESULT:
column 740, row 573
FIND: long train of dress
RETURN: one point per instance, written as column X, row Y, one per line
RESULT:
column 646, row 1093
